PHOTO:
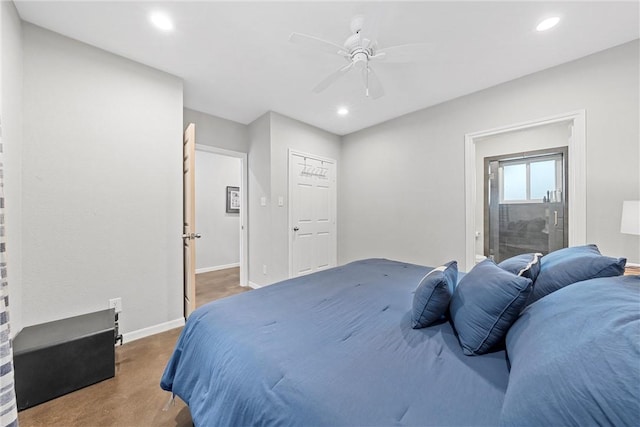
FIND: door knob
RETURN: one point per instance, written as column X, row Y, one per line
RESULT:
column 197, row 235
column 295, row 229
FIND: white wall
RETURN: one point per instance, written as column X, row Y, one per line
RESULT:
column 219, row 245
column 102, row 184
column 11, row 118
column 401, row 193
column 217, row 132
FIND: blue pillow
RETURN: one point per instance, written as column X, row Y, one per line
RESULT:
column 575, row 357
column 485, row 304
column 525, row 265
column 570, row 265
column 433, row 294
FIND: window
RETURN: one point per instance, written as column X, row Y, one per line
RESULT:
column 530, row 179
column 543, row 178
column 514, row 182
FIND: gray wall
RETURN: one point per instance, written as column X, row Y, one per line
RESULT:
column 220, row 242
column 102, row 181
column 401, row 193
column 217, row 132
column 11, row 118
column 259, row 186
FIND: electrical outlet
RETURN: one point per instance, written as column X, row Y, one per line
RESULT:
column 116, row 303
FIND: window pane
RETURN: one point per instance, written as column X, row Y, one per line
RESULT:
column 543, row 178
column 515, row 182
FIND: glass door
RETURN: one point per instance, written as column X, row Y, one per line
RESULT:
column 525, row 203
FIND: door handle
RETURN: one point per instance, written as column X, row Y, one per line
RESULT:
column 555, row 218
column 191, row 236
column 296, row 228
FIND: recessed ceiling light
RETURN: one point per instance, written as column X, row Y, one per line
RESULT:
column 162, row 21
column 548, row 23
column 343, row 111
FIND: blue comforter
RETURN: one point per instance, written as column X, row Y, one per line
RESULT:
column 331, row 348
column 575, row 357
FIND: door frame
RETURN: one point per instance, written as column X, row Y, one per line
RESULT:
column 290, row 183
column 244, row 225
column 577, row 200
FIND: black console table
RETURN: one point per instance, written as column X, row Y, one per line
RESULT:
column 56, row 358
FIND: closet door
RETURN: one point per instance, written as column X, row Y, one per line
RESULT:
column 312, row 202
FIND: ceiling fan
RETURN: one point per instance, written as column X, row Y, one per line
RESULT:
column 359, row 50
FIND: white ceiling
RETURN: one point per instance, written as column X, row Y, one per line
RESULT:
column 237, row 63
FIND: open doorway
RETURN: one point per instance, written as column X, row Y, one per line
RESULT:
column 221, row 255
column 570, row 128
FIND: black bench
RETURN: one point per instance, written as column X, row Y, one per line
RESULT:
column 56, row 358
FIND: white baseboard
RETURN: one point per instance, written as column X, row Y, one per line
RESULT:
column 254, row 285
column 216, row 268
column 152, row 330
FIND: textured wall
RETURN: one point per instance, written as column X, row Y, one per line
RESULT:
column 11, row 116
column 102, row 184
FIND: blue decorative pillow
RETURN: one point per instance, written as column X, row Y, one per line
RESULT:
column 525, row 265
column 485, row 304
column 433, row 294
column 570, row 265
column 575, row 357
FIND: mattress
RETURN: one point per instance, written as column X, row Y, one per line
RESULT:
column 331, row 348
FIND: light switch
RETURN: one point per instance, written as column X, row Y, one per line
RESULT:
column 263, row 201
column 280, row 201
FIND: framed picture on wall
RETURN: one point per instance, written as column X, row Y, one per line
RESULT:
column 233, row 199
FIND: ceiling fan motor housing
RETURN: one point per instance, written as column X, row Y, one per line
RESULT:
column 360, row 58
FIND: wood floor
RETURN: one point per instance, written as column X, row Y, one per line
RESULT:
column 218, row 284
column 133, row 397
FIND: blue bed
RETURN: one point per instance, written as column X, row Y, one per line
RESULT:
column 337, row 348
column 332, row 348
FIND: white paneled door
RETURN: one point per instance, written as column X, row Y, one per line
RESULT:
column 312, row 213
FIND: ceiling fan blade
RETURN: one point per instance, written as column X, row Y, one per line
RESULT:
column 372, row 83
column 372, row 20
column 414, row 52
column 332, row 78
column 316, row 43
